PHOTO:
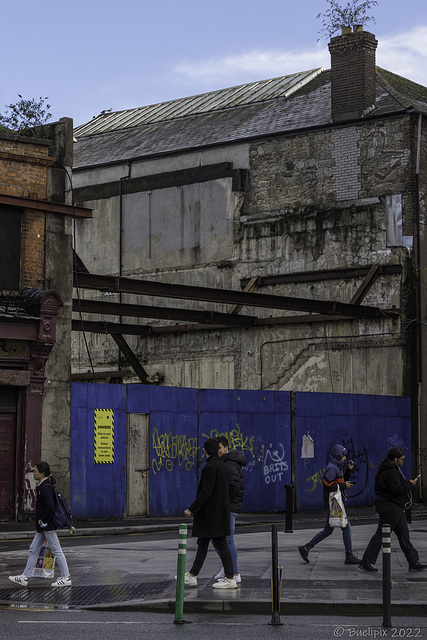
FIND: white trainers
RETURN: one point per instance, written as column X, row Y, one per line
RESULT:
column 238, row 578
column 190, row 580
column 220, row 575
column 21, row 580
column 62, row 582
column 225, row 583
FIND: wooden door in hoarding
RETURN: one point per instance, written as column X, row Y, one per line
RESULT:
column 7, row 465
column 137, row 467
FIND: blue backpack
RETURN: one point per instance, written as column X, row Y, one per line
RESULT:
column 62, row 517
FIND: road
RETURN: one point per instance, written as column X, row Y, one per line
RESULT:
column 69, row 624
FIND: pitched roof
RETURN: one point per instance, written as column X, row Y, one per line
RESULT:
column 236, row 114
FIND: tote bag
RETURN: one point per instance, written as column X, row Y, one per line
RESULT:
column 45, row 566
column 337, row 514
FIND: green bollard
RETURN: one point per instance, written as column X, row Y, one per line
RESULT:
column 180, row 572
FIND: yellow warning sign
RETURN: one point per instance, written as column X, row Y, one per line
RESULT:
column 103, row 436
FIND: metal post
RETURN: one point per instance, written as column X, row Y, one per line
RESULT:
column 275, row 618
column 180, row 572
column 289, row 507
column 386, row 533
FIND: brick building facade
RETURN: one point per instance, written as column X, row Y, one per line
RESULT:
column 35, row 311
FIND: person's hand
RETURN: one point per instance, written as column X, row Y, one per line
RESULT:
column 414, row 481
column 348, row 484
column 188, row 513
column 350, row 464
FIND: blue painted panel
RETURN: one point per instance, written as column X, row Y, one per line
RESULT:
column 263, row 436
column 367, row 425
column 138, row 398
column 173, row 462
column 101, row 494
column 218, row 400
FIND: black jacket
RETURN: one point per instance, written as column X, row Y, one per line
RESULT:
column 211, row 508
column 391, row 485
column 45, row 505
column 235, row 461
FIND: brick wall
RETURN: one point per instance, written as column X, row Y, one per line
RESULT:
column 24, row 165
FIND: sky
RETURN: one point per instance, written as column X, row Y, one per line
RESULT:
column 87, row 56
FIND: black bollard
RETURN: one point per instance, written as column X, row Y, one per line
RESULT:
column 386, row 532
column 289, row 507
column 275, row 591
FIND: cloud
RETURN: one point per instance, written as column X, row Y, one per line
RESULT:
column 404, row 54
column 250, row 66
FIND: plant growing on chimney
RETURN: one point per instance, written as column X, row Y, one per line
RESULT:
column 23, row 114
column 354, row 13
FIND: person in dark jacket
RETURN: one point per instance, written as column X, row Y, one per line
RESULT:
column 334, row 479
column 235, row 462
column 46, row 530
column 211, row 510
column 392, row 493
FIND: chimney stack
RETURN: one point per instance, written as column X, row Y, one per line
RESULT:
column 352, row 73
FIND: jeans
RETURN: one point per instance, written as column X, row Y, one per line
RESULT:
column 221, row 546
column 54, row 544
column 327, row 531
column 231, row 544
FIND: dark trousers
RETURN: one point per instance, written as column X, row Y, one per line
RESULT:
column 395, row 517
column 221, row 546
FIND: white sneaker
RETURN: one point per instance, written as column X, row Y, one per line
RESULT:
column 225, row 583
column 238, row 578
column 190, row 580
column 220, row 575
column 21, row 580
column 62, row 582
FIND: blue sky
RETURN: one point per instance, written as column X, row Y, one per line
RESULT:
column 88, row 55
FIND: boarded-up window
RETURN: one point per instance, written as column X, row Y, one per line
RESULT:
column 10, row 248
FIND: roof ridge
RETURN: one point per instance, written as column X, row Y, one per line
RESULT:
column 230, row 97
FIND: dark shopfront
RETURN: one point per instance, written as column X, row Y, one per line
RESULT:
column 27, row 335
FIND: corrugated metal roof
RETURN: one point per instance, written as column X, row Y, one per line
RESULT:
column 245, row 94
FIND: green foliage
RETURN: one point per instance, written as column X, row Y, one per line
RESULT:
column 21, row 116
column 352, row 14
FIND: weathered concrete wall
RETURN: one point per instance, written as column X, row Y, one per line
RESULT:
column 59, row 277
column 316, row 202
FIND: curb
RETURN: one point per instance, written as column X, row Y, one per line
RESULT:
column 264, row 607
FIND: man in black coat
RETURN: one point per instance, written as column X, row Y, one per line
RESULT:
column 235, row 462
column 211, row 510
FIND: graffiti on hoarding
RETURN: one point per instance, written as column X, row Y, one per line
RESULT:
column 236, row 440
column 171, row 449
column 274, row 465
column 315, row 480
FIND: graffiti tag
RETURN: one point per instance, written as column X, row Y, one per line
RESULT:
column 236, row 440
column 315, row 479
column 171, row 449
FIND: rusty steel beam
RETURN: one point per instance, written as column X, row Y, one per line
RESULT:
column 163, row 313
column 44, row 205
column 132, row 359
column 91, row 326
column 185, row 292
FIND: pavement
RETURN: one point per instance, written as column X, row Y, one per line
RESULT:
column 134, row 568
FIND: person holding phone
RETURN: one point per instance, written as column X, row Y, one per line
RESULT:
column 335, row 478
column 393, row 495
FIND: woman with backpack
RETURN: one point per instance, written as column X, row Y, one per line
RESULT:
column 46, row 529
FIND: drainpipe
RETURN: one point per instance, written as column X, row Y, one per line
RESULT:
column 121, row 244
column 419, row 295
